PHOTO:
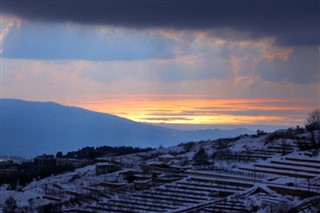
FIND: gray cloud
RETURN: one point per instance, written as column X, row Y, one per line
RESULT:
column 292, row 22
column 53, row 42
column 159, row 70
column 302, row 66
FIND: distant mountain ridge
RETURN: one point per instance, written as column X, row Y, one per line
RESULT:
column 30, row 128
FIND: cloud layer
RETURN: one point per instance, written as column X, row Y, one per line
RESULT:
column 113, row 54
column 292, row 22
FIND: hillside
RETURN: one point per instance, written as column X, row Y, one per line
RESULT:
column 33, row 128
column 250, row 173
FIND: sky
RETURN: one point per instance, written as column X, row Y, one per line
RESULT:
column 170, row 61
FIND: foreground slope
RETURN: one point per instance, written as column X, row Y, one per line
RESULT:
column 32, row 128
column 256, row 173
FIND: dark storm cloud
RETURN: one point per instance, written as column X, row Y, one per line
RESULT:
column 292, row 22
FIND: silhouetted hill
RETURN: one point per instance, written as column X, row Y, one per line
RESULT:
column 32, row 128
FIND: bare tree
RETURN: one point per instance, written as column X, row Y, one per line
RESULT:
column 285, row 147
column 313, row 125
column 313, row 118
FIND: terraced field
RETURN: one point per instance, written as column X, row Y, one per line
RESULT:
column 255, row 175
column 212, row 192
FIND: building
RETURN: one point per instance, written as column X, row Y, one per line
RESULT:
column 8, row 168
column 166, row 158
column 46, row 161
column 142, row 184
column 105, row 168
column 75, row 163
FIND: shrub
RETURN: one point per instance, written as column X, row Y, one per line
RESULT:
column 10, row 205
column 279, row 135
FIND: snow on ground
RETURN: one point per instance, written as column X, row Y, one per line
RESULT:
column 248, row 143
column 244, row 182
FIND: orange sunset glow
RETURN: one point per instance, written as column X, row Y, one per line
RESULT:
column 198, row 109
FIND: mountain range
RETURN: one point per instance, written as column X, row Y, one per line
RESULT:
column 30, row 128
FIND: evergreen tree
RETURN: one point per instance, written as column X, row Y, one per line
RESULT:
column 201, row 157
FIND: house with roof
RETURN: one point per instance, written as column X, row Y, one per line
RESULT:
column 166, row 158
column 105, row 168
